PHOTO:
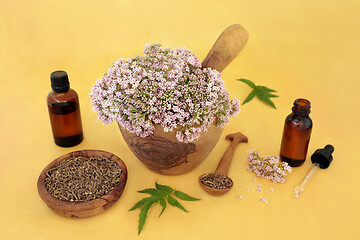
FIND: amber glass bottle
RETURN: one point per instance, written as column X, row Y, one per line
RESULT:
column 64, row 111
column 296, row 135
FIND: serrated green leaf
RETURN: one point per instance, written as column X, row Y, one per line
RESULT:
column 164, row 195
column 269, row 95
column 248, row 82
column 164, row 188
column 172, row 201
column 142, row 201
column 266, row 89
column 249, row 97
column 143, row 214
column 138, row 204
column 265, row 99
column 163, row 204
column 154, row 192
column 184, row 196
column 262, row 92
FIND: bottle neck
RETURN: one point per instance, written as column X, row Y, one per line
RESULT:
column 61, row 90
column 301, row 107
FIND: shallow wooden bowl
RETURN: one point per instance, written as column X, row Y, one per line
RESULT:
column 162, row 153
column 88, row 208
column 214, row 191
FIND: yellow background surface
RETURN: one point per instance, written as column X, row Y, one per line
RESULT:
column 305, row 48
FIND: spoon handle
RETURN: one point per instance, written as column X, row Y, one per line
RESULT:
column 225, row 162
column 226, row 48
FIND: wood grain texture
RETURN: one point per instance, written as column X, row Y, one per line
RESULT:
column 162, row 153
column 88, row 208
column 226, row 48
column 159, row 152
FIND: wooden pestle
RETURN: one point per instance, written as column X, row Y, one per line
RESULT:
column 229, row 44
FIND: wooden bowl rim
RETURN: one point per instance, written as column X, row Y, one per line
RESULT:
column 107, row 199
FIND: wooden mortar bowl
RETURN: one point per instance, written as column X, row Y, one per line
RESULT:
column 162, row 153
column 88, row 208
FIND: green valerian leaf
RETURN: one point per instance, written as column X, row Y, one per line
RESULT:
column 250, row 97
column 263, row 93
column 263, row 97
column 172, row 201
column 161, row 194
column 143, row 214
column 163, row 204
column 154, row 192
column 267, row 94
column 265, row 89
column 138, row 204
column 184, row 196
column 164, row 188
column 142, row 201
column 248, row 82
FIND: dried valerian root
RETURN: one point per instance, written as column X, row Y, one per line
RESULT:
column 82, row 179
column 216, row 181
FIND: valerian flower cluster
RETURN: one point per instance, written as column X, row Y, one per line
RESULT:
column 166, row 87
column 270, row 167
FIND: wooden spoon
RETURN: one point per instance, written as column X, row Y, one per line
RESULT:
column 226, row 48
column 224, row 164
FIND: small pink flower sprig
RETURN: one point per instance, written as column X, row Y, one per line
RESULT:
column 166, row 87
column 270, row 167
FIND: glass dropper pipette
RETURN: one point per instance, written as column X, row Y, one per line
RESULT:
column 321, row 159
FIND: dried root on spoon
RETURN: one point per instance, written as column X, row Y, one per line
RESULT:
column 217, row 181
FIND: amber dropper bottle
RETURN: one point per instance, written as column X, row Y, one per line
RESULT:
column 64, row 111
column 296, row 134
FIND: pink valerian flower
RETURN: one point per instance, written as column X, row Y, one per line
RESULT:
column 263, row 200
column 240, row 197
column 166, row 87
column 270, row 167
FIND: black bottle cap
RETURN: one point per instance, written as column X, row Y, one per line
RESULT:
column 323, row 156
column 59, row 81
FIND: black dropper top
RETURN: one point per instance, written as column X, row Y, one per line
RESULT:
column 323, row 156
column 59, row 81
